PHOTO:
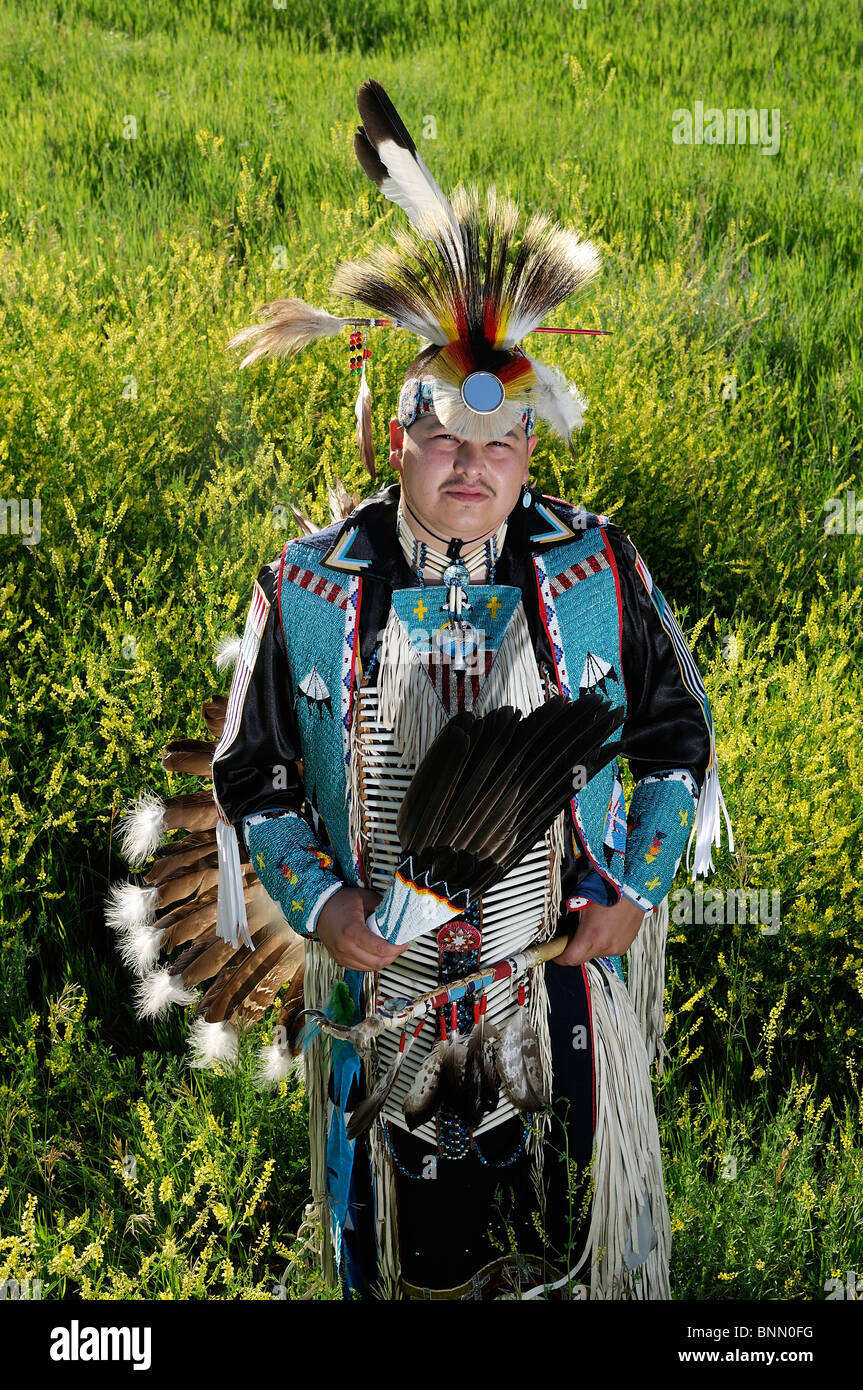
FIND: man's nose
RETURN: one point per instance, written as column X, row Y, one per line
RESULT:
column 469, row 458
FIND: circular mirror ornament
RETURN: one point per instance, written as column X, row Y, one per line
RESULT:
column 483, row 392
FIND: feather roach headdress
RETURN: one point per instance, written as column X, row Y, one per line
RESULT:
column 463, row 277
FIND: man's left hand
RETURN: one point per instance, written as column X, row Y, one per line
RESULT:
column 602, row 931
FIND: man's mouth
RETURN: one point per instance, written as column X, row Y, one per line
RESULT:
column 467, row 494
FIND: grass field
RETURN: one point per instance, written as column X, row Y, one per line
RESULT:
column 164, row 169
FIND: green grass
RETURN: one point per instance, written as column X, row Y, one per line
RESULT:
column 125, row 265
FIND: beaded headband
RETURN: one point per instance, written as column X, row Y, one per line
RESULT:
column 417, row 397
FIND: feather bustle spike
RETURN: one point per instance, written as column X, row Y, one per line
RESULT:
column 166, row 865
column 261, row 995
column 305, row 523
column 224, row 997
column 191, row 920
column 193, row 811
column 341, row 502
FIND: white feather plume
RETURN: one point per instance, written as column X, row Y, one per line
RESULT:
column 129, row 906
column 276, row 1064
column 227, row 651
column 210, row 1043
column 156, row 992
column 131, row 913
column 557, row 400
column 290, row 325
column 143, row 829
column 139, row 947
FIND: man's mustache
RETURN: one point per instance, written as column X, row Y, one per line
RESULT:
column 468, row 487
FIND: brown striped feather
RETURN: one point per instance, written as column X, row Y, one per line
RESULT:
column 190, row 755
column 214, row 712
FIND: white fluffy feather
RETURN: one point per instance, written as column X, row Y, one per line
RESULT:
column 139, row 947
column 142, row 829
column 227, row 651
column 130, row 907
column 210, row 1043
column 557, row 400
column 289, row 326
column 131, row 913
column 276, row 1064
column 156, row 992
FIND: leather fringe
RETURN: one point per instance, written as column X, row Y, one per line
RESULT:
column 645, row 980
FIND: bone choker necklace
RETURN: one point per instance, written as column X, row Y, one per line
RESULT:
column 424, row 559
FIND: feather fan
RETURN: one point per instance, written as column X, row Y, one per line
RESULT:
column 485, row 792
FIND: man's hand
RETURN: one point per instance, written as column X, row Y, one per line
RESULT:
column 342, row 928
column 602, row 931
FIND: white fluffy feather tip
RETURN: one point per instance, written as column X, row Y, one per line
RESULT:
column 557, row 400
column 130, row 912
column 142, row 829
column 276, row 1064
column 227, row 651
column 156, row 992
column 212, row 1043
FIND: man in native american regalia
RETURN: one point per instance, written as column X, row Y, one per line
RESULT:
column 418, row 777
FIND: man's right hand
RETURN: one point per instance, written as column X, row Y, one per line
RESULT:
column 342, row 928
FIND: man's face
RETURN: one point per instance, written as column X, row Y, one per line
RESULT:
column 454, row 486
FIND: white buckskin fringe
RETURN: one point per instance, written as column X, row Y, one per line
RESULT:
column 537, row 1006
column 514, row 677
column 627, row 1161
column 407, row 702
column 707, row 825
column 386, row 1219
column 321, row 973
column 230, row 904
column 645, row 980
column 537, row 1014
